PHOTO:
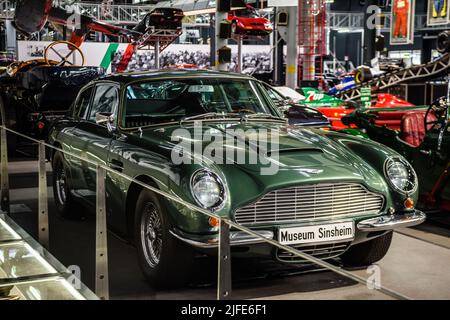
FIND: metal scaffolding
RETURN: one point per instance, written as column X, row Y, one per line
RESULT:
column 312, row 37
column 112, row 14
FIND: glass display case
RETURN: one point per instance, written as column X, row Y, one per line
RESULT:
column 29, row 272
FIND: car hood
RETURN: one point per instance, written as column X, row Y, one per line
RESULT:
column 305, row 150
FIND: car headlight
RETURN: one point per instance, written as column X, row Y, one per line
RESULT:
column 401, row 175
column 208, row 190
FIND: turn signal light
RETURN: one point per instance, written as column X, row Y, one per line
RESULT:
column 409, row 203
column 214, row 222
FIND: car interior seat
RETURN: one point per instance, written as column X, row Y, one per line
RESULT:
column 413, row 127
column 191, row 102
column 390, row 119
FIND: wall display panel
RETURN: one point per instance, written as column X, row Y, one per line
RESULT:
column 438, row 12
column 402, row 25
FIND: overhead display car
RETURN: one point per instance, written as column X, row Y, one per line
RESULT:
column 247, row 21
column 330, row 194
column 161, row 18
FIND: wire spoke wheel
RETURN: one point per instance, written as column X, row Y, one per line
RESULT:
column 151, row 234
column 61, row 184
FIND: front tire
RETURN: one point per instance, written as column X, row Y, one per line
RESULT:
column 64, row 201
column 165, row 262
column 367, row 253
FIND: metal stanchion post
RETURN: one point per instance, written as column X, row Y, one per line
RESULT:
column 101, row 239
column 4, row 172
column 43, row 200
column 224, row 286
column 157, row 58
column 239, row 56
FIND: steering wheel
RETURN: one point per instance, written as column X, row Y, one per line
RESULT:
column 439, row 108
column 62, row 56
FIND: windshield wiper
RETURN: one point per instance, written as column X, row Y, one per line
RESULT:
column 262, row 116
column 210, row 115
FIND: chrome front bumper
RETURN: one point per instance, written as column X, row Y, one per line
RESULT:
column 237, row 238
column 381, row 223
column 389, row 222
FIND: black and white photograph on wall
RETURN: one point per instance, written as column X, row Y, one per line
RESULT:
column 254, row 61
column 35, row 51
column 438, row 12
column 402, row 22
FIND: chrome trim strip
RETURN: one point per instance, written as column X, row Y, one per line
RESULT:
column 237, row 238
column 390, row 222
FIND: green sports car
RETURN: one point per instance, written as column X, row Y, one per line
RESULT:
column 217, row 140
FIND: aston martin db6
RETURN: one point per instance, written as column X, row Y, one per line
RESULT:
column 322, row 192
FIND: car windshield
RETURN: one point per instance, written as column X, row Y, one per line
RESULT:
column 156, row 102
column 247, row 13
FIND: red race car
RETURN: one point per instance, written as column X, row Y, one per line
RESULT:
column 247, row 21
column 386, row 100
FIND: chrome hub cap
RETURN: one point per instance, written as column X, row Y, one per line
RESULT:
column 151, row 234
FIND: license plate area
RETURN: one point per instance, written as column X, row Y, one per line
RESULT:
column 317, row 233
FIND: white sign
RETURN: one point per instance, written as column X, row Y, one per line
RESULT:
column 317, row 234
column 283, row 3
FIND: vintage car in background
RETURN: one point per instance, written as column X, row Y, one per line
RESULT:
column 34, row 93
column 422, row 137
column 332, row 195
column 297, row 114
column 161, row 18
column 248, row 21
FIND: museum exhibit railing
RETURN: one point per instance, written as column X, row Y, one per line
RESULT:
column 224, row 272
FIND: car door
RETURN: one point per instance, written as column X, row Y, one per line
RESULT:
column 66, row 136
column 92, row 140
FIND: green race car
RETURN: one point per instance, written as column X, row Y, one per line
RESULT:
column 322, row 192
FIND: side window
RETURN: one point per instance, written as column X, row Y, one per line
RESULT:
column 106, row 100
column 82, row 104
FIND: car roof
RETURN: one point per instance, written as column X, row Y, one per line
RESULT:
column 129, row 77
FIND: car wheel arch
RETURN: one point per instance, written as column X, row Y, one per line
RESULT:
column 53, row 151
column 133, row 193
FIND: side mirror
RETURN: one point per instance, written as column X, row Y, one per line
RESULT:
column 105, row 118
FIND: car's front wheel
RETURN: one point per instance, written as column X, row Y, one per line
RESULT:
column 367, row 253
column 64, row 201
column 165, row 261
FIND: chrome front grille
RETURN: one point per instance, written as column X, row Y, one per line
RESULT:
column 321, row 251
column 311, row 202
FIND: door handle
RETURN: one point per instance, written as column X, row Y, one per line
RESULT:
column 426, row 152
column 116, row 165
